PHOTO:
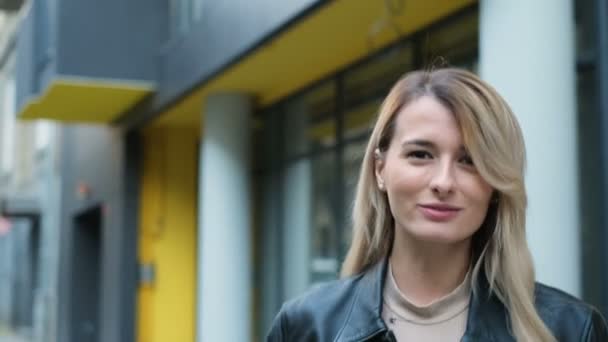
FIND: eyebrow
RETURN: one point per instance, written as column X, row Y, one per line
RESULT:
column 426, row 143
column 418, row 142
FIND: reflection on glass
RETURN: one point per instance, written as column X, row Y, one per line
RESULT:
column 259, row 127
column 586, row 32
column 374, row 78
column 266, row 247
column 324, row 253
column 266, row 143
column 309, row 220
column 309, row 120
column 297, row 218
column 359, row 121
column 454, row 44
column 589, row 133
column 352, row 159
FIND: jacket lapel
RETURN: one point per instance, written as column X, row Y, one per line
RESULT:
column 487, row 320
column 365, row 318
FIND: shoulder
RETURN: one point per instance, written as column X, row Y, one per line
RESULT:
column 569, row 318
column 318, row 314
column 554, row 303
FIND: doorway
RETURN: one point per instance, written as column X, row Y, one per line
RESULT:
column 86, row 276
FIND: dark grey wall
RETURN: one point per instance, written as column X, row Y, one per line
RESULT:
column 111, row 38
column 45, row 39
column 24, row 63
column 227, row 30
column 35, row 50
column 96, row 156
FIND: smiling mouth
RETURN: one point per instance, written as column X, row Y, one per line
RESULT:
column 439, row 213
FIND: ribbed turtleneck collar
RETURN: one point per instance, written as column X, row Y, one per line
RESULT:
column 440, row 310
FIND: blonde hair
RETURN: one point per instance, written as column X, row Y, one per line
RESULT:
column 494, row 140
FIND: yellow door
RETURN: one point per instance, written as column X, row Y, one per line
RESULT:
column 167, row 236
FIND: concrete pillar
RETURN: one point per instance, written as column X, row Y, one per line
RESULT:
column 224, row 240
column 527, row 52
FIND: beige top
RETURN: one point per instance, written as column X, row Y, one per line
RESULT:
column 444, row 319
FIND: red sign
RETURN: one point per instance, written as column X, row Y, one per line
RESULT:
column 5, row 226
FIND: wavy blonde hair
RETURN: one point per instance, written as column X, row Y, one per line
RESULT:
column 494, row 140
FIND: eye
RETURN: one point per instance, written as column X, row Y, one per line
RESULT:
column 467, row 160
column 420, row 154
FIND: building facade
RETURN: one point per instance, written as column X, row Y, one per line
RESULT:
column 29, row 204
column 209, row 150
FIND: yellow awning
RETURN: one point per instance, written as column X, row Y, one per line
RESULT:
column 90, row 100
column 334, row 36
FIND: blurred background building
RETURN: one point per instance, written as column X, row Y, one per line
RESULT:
column 29, row 202
column 175, row 170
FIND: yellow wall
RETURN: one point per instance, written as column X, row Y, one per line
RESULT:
column 167, row 235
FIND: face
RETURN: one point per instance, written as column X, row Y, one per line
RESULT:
column 434, row 191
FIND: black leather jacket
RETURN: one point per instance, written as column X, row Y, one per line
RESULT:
column 349, row 310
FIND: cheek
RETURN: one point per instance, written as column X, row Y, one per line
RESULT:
column 479, row 193
column 402, row 177
column 406, row 181
column 404, row 189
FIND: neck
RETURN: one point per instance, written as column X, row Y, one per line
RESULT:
column 426, row 271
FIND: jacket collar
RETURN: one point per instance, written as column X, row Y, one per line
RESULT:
column 487, row 316
column 365, row 318
column 488, row 319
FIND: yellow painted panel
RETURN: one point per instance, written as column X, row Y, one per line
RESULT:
column 341, row 32
column 168, row 235
column 85, row 100
column 150, row 218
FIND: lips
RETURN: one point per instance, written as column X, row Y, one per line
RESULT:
column 439, row 212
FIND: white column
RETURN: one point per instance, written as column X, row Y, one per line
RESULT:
column 527, row 52
column 224, row 224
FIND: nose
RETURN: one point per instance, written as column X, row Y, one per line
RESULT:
column 442, row 183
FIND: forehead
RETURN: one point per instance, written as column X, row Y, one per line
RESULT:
column 428, row 119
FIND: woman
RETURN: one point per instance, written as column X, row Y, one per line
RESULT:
column 439, row 248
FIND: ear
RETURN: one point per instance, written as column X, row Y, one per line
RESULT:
column 379, row 169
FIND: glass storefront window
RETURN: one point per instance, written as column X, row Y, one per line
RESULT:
column 266, row 140
column 324, row 264
column 374, row 78
column 309, row 222
column 352, row 159
column 589, row 134
column 310, row 120
column 359, row 121
column 454, row 44
column 589, row 149
column 585, row 28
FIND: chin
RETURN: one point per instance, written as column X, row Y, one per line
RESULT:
column 438, row 239
column 440, row 235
